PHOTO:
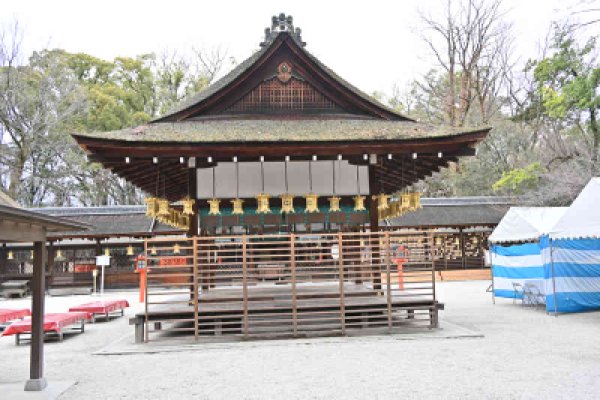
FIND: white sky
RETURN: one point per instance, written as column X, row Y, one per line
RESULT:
column 373, row 44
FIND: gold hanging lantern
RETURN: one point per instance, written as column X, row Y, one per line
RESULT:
column 130, row 250
column 334, row 204
column 359, row 203
column 415, row 201
column 238, row 206
column 287, row 203
column 262, row 204
column 11, row 256
column 163, row 207
column 382, row 201
column 213, row 205
column 151, row 206
column 176, row 249
column 405, row 201
column 312, row 203
column 188, row 206
column 153, row 251
column 106, row 252
column 59, row 255
column 186, row 221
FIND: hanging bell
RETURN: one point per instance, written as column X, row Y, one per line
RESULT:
column 11, row 255
column 213, row 207
column 312, row 203
column 287, row 203
column 334, row 204
column 262, row 203
column 359, row 203
column 130, row 250
column 238, row 206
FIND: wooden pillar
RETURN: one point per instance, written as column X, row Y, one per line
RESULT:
column 192, row 184
column 374, row 224
column 461, row 238
column 51, row 257
column 36, row 380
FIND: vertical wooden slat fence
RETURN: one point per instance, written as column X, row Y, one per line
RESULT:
column 289, row 285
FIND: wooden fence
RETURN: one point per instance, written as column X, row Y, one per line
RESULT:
column 261, row 286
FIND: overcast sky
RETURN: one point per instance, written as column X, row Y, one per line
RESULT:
column 373, row 44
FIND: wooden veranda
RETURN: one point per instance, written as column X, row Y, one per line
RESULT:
column 287, row 285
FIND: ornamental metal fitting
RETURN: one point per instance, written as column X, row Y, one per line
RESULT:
column 282, row 23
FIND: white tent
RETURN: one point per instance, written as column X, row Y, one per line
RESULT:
column 522, row 224
column 572, row 255
column 582, row 219
column 516, row 253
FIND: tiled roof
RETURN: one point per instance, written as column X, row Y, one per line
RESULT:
column 252, row 130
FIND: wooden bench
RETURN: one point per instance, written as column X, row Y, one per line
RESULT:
column 19, row 288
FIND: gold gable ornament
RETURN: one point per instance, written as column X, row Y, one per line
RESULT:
column 238, row 206
column 213, row 207
column 262, row 203
column 359, row 203
column 287, row 203
column 334, row 204
column 312, row 203
column 188, row 206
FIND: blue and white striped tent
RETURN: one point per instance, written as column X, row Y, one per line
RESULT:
column 571, row 251
column 516, row 251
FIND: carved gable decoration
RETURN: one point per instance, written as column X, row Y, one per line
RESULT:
column 284, row 72
column 284, row 93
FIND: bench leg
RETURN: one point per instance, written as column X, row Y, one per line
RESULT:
column 122, row 312
column 60, row 336
column 139, row 332
column 82, row 326
column 18, row 339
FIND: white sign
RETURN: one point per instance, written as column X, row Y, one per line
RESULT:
column 102, row 260
column 335, row 252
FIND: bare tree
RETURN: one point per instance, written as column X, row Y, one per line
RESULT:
column 472, row 46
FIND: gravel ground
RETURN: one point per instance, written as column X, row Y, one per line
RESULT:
column 524, row 354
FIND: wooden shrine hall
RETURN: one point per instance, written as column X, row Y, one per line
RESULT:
column 281, row 172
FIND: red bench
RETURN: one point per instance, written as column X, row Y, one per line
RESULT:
column 102, row 308
column 53, row 323
column 7, row 314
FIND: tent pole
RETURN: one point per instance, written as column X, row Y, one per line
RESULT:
column 553, row 279
column 492, row 271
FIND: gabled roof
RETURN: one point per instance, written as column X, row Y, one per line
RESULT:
column 6, row 200
column 276, row 42
column 521, row 224
column 108, row 221
column 582, row 218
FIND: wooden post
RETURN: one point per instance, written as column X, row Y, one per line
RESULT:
column 36, row 380
column 196, row 296
column 192, row 183
column 374, row 226
column 461, row 237
column 245, row 285
column 389, row 279
column 294, row 293
column 341, row 275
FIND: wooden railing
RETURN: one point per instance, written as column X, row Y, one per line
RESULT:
column 253, row 286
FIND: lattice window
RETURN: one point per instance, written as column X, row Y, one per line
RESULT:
column 274, row 96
